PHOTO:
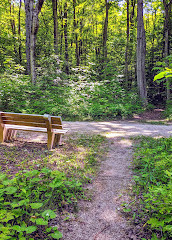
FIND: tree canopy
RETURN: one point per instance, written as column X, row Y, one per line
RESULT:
column 86, row 41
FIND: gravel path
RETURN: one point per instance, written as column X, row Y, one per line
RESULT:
column 101, row 219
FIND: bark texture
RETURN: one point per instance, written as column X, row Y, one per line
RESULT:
column 32, row 25
column 66, row 39
column 54, row 3
column 105, row 30
column 167, row 7
column 75, row 34
column 141, row 53
column 127, row 46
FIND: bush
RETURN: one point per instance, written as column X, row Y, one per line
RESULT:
column 153, row 165
column 78, row 97
column 24, row 200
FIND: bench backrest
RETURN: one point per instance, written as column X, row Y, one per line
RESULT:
column 31, row 120
column 56, row 122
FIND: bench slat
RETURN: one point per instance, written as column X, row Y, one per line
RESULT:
column 25, row 118
column 26, row 128
column 56, row 120
column 31, row 124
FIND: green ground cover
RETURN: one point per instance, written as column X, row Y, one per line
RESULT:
column 37, row 185
column 152, row 206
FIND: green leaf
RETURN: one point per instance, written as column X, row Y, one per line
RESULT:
column 48, row 214
column 35, row 179
column 31, row 229
column 41, row 221
column 126, row 210
column 36, row 205
column 160, row 75
column 20, row 203
column 5, row 216
column 2, row 176
column 48, row 229
column 10, row 190
column 17, row 228
column 54, row 185
column 56, row 235
column 168, row 76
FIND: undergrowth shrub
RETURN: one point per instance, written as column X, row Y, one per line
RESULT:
column 79, row 96
column 28, row 201
column 153, row 184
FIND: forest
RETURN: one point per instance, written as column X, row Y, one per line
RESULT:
column 85, row 59
column 90, row 62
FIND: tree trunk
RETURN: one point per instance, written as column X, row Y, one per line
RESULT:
column 54, row 3
column 105, row 32
column 32, row 25
column 127, row 47
column 13, row 28
column 19, row 32
column 131, row 41
column 66, row 40
column 75, row 34
column 141, row 53
column 167, row 6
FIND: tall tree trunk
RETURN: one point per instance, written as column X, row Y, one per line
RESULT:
column 66, row 39
column 13, row 27
column 19, row 32
column 54, row 3
column 127, row 47
column 141, row 53
column 75, row 34
column 32, row 25
column 167, row 6
column 61, row 31
column 132, row 75
column 105, row 31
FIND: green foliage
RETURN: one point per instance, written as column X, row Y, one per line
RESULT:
column 79, row 97
column 168, row 111
column 47, row 183
column 153, row 183
column 29, row 200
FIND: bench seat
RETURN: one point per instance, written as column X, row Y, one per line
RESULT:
column 10, row 123
column 35, row 129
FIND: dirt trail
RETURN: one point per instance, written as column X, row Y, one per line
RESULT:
column 100, row 219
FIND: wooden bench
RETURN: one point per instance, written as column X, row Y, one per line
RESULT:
column 11, row 122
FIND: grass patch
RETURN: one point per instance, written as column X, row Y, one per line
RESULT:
column 38, row 185
column 153, row 186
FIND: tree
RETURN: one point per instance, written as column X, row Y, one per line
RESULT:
column 107, row 4
column 75, row 34
column 127, row 44
column 19, row 32
column 141, row 53
column 54, row 3
column 167, row 7
column 32, row 25
column 66, row 38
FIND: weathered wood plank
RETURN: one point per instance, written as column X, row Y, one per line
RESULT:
column 26, row 128
column 25, row 118
column 22, row 123
column 56, row 120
